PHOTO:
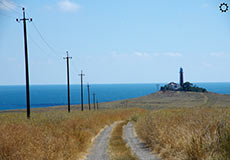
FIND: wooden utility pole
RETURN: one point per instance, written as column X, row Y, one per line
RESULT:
column 97, row 105
column 88, row 95
column 82, row 108
column 94, row 101
column 24, row 19
column 67, row 62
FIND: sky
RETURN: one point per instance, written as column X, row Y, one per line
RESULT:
column 115, row 41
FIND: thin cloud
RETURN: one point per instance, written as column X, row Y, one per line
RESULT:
column 7, row 5
column 146, row 54
column 68, row 6
column 172, row 54
column 141, row 54
column 218, row 54
column 167, row 54
column 119, row 55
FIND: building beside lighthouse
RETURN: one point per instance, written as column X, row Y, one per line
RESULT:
column 175, row 86
column 182, row 86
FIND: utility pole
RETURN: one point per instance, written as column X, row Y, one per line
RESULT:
column 97, row 105
column 67, row 62
column 24, row 19
column 82, row 108
column 88, row 95
column 94, row 96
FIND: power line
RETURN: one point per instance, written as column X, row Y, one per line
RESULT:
column 12, row 3
column 6, row 15
column 38, row 46
column 51, row 48
column 74, row 70
column 43, row 39
column 73, row 73
column 74, row 67
column 19, row 6
column 12, row 9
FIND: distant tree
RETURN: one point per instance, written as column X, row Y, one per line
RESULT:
column 187, row 86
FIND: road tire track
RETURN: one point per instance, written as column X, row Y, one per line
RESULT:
column 138, row 148
column 100, row 146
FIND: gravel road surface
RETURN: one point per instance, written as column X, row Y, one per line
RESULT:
column 100, row 146
column 137, row 147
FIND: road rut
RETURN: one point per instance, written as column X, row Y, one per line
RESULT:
column 137, row 147
column 100, row 146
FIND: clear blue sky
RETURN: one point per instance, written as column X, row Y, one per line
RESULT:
column 116, row 41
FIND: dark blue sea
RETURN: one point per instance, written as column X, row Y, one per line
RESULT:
column 14, row 97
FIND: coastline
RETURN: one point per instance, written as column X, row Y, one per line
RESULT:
column 155, row 100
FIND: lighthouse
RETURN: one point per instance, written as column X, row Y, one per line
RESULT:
column 181, row 77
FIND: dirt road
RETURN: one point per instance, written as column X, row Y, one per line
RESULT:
column 99, row 149
column 137, row 147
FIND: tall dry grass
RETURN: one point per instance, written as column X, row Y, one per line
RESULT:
column 187, row 134
column 53, row 135
column 117, row 145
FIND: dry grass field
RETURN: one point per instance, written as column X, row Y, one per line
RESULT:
column 187, row 133
column 53, row 135
column 117, row 145
column 179, row 126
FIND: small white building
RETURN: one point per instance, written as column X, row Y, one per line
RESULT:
column 173, row 86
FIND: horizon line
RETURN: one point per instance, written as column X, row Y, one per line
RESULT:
column 99, row 83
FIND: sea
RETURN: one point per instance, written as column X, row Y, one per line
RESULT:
column 14, row 97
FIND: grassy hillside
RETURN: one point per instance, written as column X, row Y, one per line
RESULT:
column 187, row 133
column 172, row 99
